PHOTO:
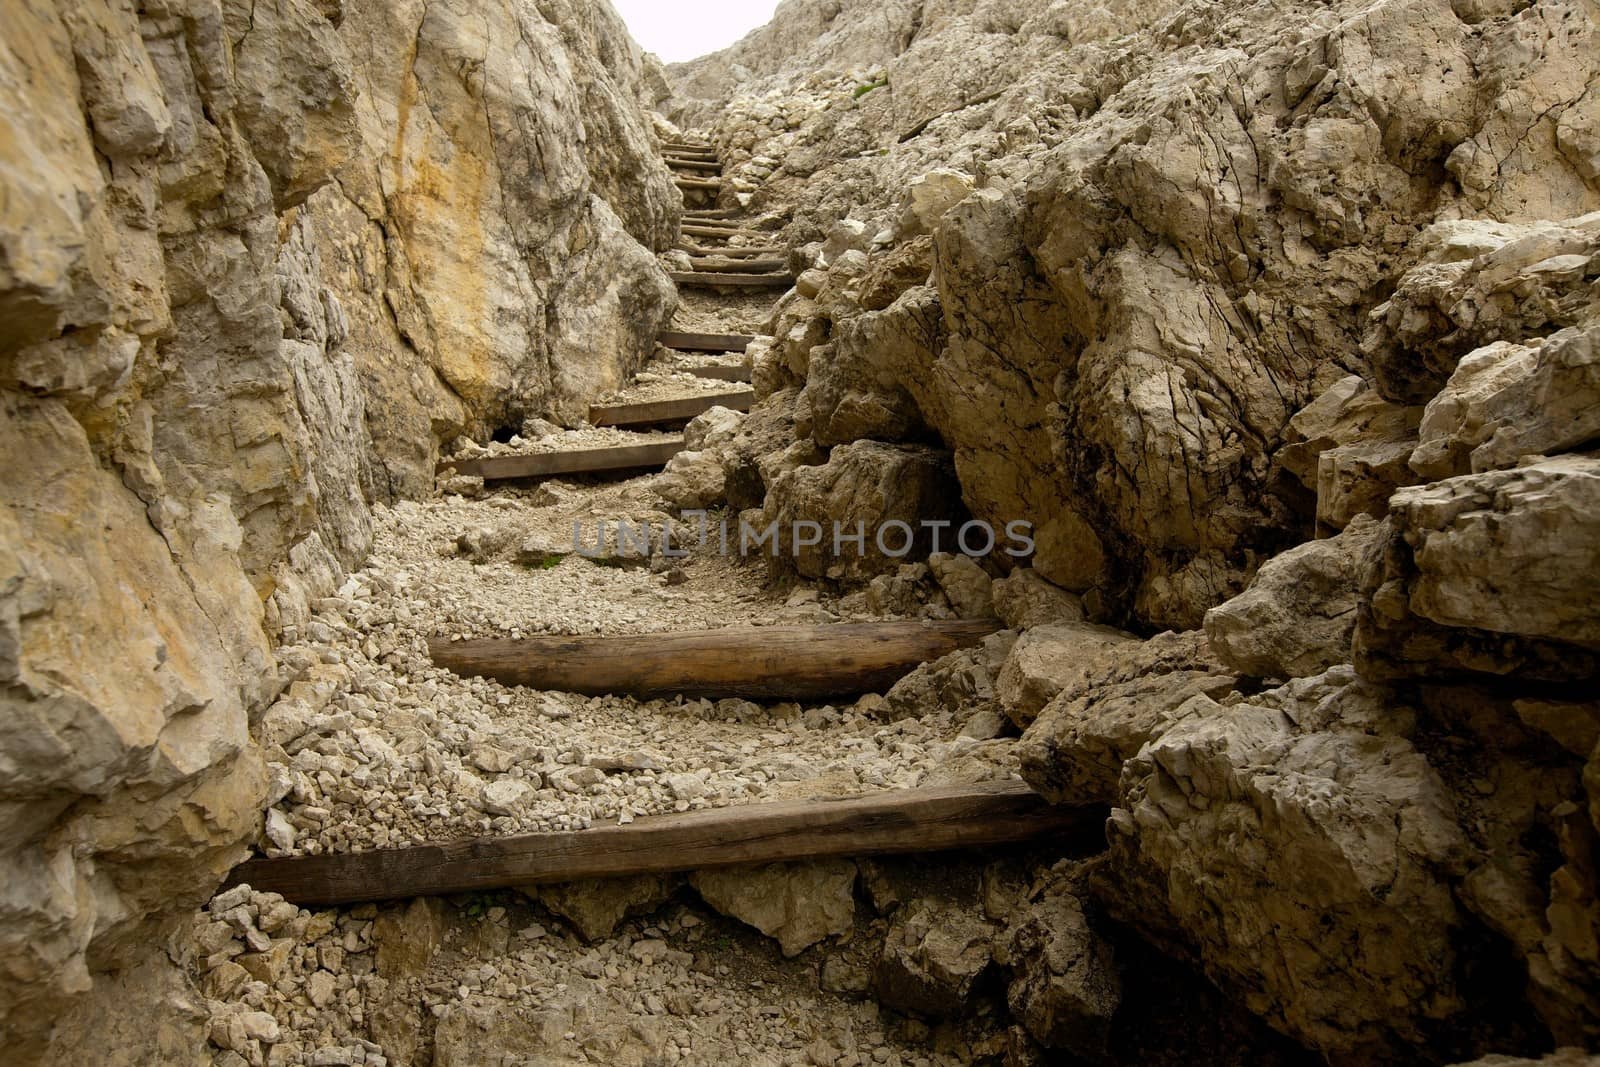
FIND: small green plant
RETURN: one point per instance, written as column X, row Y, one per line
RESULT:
column 882, row 82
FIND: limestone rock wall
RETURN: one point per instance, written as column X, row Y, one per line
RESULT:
column 256, row 261
column 1175, row 226
column 1280, row 314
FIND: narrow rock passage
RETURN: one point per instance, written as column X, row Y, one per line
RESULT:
column 376, row 747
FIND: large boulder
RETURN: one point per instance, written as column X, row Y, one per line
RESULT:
column 886, row 491
column 1047, row 659
column 854, row 383
column 1299, row 615
column 494, row 251
column 1490, row 573
column 1351, row 412
column 1024, row 600
column 697, row 477
column 1075, row 750
column 895, row 272
column 929, row 198
column 751, row 461
column 1299, row 846
column 966, row 585
column 1509, row 400
column 1476, row 284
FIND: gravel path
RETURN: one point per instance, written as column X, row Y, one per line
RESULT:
column 374, row 747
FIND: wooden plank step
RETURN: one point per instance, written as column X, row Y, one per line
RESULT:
column 718, row 224
column 710, row 214
column 695, row 185
column 682, row 409
column 705, row 342
column 722, row 374
column 652, row 456
column 737, row 265
column 698, row 230
column 695, row 164
column 894, row 822
column 709, row 280
column 755, row 663
column 734, row 253
column 686, row 146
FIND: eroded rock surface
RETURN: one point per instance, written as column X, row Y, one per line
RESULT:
column 800, row 904
column 256, row 263
column 1106, row 340
column 1490, row 573
column 1298, row 617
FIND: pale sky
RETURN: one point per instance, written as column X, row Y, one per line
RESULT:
column 677, row 30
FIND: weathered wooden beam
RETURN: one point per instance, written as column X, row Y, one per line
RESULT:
column 657, row 411
column 694, row 184
column 734, row 253
column 691, row 229
column 722, row 374
column 895, row 822
column 695, row 164
column 710, row 214
column 715, row 262
column 704, row 342
column 686, row 146
column 709, row 280
column 757, row 663
column 650, row 456
column 717, row 224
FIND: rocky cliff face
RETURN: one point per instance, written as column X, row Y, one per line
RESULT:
column 1279, row 325
column 1173, row 243
column 256, row 261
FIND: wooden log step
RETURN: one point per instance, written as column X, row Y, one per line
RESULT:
column 682, row 409
column 734, row 253
column 695, row 185
column 722, row 230
column 894, row 822
column 705, row 342
column 722, row 233
column 755, row 663
column 717, row 224
column 695, row 229
column 652, row 456
column 710, row 214
column 695, row 164
column 737, row 265
column 709, row 280
column 686, row 146
column 722, row 374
